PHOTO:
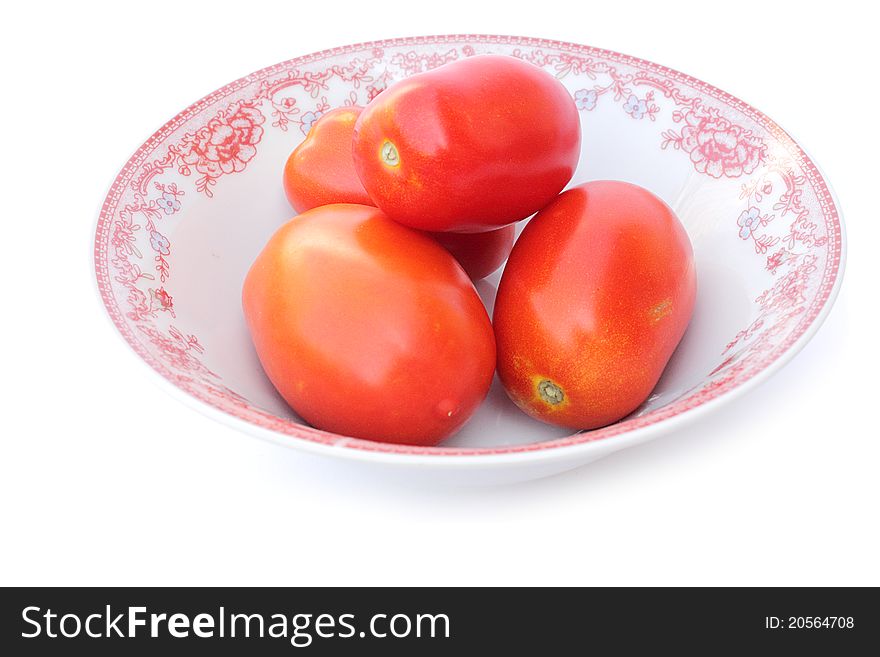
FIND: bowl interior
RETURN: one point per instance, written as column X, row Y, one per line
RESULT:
column 194, row 206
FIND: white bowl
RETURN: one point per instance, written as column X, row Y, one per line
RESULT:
column 193, row 206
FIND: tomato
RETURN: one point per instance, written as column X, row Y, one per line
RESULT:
column 368, row 328
column 596, row 294
column 470, row 146
column 321, row 170
column 479, row 254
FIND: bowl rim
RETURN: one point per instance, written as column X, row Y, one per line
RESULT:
column 627, row 433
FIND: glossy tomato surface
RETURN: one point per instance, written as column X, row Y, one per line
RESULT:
column 470, row 146
column 320, row 170
column 368, row 328
column 596, row 294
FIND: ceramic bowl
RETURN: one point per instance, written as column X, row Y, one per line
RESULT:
column 193, row 206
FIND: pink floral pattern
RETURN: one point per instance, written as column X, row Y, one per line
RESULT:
column 224, row 145
column 787, row 219
column 716, row 146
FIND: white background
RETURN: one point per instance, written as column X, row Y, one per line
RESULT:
column 104, row 479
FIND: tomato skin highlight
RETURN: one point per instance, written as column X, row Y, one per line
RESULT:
column 321, row 171
column 470, row 146
column 596, row 295
column 368, row 328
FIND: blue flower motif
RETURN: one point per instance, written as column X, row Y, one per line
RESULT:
column 308, row 119
column 160, row 243
column 585, row 99
column 168, row 202
column 748, row 221
column 635, row 107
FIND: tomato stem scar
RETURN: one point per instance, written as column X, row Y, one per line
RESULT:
column 550, row 392
column 389, row 154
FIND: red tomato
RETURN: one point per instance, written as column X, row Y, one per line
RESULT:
column 321, row 171
column 479, row 254
column 597, row 293
column 368, row 328
column 470, row 146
